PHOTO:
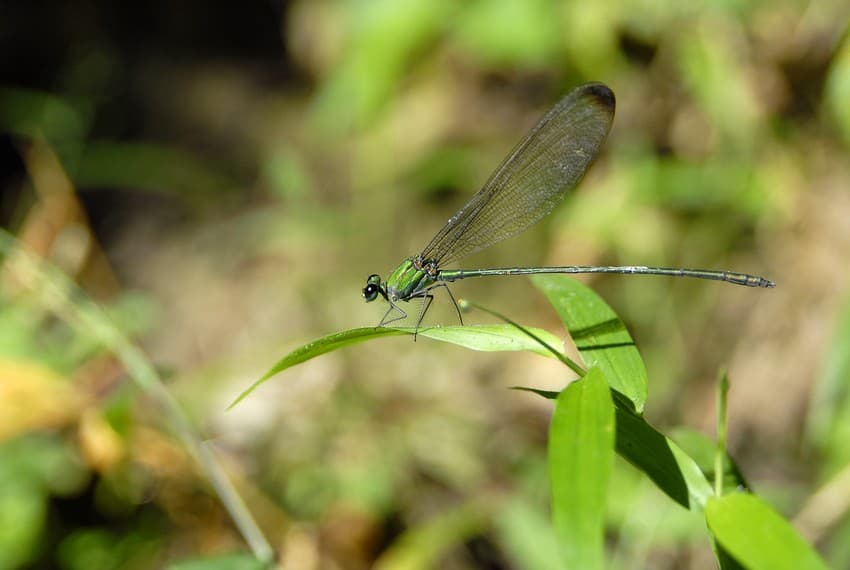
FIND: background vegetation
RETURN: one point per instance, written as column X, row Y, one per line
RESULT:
column 221, row 180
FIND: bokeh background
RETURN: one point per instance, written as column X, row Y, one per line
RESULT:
column 221, row 178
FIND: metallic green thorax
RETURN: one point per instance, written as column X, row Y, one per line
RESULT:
column 410, row 278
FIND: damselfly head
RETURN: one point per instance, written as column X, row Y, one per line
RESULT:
column 372, row 288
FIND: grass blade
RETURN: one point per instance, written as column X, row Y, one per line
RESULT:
column 659, row 457
column 757, row 536
column 581, row 454
column 488, row 338
column 600, row 336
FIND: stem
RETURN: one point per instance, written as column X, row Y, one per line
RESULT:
column 722, row 391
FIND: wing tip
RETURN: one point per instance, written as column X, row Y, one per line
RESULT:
column 602, row 94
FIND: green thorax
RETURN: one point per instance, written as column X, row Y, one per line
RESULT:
column 407, row 280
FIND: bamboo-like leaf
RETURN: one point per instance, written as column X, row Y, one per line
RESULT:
column 600, row 336
column 659, row 457
column 581, row 455
column 489, row 338
column 757, row 536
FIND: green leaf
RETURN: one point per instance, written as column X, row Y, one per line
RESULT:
column 31, row 113
column 492, row 338
column 757, row 536
column 600, row 336
column 664, row 462
column 669, row 467
column 488, row 338
column 581, row 453
column 725, row 560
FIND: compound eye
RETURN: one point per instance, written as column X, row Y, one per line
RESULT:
column 370, row 292
column 372, row 288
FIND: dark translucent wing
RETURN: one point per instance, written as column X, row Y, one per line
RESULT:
column 546, row 164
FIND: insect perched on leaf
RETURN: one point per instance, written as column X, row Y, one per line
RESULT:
column 546, row 164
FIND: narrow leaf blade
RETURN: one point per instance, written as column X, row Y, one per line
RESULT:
column 659, row 457
column 493, row 338
column 581, row 453
column 757, row 536
column 662, row 460
column 488, row 338
column 600, row 336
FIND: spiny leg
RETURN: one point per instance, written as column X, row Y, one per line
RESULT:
column 427, row 298
column 384, row 322
column 425, row 307
column 426, row 302
column 451, row 296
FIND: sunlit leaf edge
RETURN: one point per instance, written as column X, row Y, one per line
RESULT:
column 478, row 337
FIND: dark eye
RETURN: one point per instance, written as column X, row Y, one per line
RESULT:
column 372, row 288
column 370, row 291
